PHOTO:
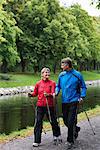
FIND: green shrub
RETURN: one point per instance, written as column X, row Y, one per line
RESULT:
column 5, row 77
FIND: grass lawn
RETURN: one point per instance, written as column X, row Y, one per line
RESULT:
column 31, row 79
column 20, row 80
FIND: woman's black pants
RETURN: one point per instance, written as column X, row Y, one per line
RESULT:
column 41, row 111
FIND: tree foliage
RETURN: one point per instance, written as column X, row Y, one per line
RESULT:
column 49, row 33
column 8, row 34
column 97, row 3
column 89, row 46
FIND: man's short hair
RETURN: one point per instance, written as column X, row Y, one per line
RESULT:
column 67, row 61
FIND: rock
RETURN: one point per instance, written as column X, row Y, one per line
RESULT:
column 16, row 90
column 27, row 89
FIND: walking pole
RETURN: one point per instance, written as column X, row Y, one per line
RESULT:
column 88, row 120
column 36, row 119
column 35, row 110
column 56, row 109
column 55, row 142
column 48, row 110
column 57, row 115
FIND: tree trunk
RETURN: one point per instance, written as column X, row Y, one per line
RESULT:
column 54, row 67
column 4, row 66
column 94, row 65
column 23, row 63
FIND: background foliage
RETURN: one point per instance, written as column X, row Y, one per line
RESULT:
column 36, row 33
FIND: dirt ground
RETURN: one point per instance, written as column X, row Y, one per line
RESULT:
column 85, row 141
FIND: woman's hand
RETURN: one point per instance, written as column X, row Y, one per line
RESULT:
column 46, row 94
column 29, row 95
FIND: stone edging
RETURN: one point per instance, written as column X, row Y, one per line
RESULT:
column 27, row 89
column 16, row 90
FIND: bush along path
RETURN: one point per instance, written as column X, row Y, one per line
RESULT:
column 85, row 141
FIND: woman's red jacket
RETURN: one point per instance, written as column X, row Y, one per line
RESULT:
column 42, row 86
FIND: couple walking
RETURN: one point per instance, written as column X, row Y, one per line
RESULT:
column 73, row 89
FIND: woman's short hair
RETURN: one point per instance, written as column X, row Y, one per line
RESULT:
column 45, row 69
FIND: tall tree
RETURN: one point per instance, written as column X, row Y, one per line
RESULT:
column 40, row 39
column 88, row 47
column 49, row 32
column 8, row 34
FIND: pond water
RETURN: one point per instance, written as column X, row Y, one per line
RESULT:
column 17, row 112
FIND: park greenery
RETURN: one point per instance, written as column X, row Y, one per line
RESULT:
column 36, row 33
column 16, row 79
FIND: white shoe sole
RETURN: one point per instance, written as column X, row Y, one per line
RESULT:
column 35, row 144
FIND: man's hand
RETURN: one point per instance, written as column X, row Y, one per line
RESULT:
column 80, row 101
column 54, row 100
column 54, row 96
column 29, row 95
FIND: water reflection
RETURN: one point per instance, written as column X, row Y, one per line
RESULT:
column 17, row 112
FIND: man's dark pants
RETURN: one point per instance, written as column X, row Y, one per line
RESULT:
column 69, row 111
column 41, row 111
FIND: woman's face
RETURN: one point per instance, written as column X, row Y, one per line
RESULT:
column 46, row 75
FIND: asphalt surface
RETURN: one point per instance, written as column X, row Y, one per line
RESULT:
column 85, row 141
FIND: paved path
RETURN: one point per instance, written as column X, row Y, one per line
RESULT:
column 85, row 141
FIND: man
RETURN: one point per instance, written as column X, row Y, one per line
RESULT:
column 45, row 89
column 73, row 89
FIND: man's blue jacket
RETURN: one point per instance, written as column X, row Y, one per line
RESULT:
column 72, row 85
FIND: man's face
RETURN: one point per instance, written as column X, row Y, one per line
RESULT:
column 64, row 66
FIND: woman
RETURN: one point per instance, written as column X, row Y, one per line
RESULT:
column 45, row 89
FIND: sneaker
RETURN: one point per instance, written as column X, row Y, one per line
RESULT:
column 35, row 144
column 70, row 145
column 78, row 128
column 55, row 141
column 77, row 131
column 59, row 139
